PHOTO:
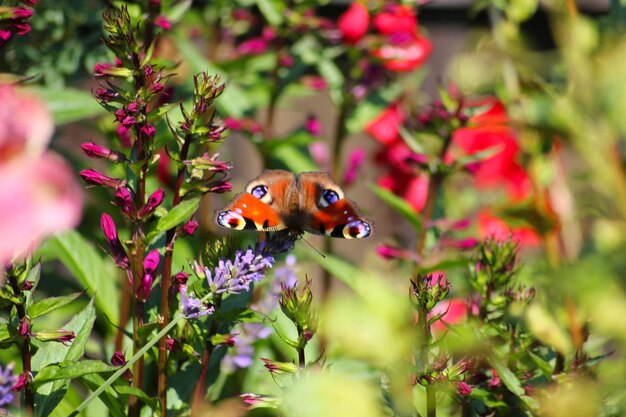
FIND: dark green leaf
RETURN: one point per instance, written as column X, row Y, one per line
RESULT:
column 513, row 384
column 398, row 204
column 50, row 304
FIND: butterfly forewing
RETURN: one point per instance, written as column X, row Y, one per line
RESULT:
column 341, row 219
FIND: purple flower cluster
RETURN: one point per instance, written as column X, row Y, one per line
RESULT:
column 192, row 307
column 7, row 380
column 235, row 276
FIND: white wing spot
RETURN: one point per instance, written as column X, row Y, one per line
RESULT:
column 350, row 218
column 244, row 205
column 345, row 212
column 238, row 210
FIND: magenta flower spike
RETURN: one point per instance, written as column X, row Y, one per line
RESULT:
column 150, row 265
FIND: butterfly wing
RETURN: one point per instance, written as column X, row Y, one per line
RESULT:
column 329, row 213
column 259, row 208
column 246, row 212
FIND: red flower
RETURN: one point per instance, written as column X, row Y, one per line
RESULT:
column 395, row 18
column 353, row 23
column 491, row 226
column 490, row 130
column 414, row 189
column 386, row 127
column 404, row 51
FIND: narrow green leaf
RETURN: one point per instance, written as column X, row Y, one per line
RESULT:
column 4, row 332
column 270, row 11
column 234, row 101
column 70, row 370
column 91, row 270
column 69, row 104
column 136, row 392
column 398, row 204
column 543, row 365
column 50, row 304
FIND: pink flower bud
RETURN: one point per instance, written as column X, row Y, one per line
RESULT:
column 148, row 131
column 313, row 126
column 124, row 134
column 170, row 344
column 115, row 246
column 133, row 107
column 463, row 388
column 163, row 22
column 154, row 201
column 150, row 264
column 118, row 359
column 390, row 252
column 94, row 177
column 190, row 227
column 24, row 329
column 96, row 151
column 181, row 278
column 124, row 199
column 222, row 187
column 24, row 379
column 21, row 13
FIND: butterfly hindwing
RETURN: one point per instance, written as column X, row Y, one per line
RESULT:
column 246, row 212
column 341, row 219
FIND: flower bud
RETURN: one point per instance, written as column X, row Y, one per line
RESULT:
column 62, row 336
column 91, row 176
column 96, row 151
column 276, row 367
column 190, row 227
column 115, row 246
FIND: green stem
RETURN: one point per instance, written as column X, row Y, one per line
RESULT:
column 136, row 357
column 29, row 394
column 198, row 395
column 170, row 240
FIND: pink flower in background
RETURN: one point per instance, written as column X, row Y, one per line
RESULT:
column 356, row 159
column 386, row 127
column 491, row 226
column 163, row 22
column 354, row 22
column 413, row 188
column 40, row 195
column 313, row 126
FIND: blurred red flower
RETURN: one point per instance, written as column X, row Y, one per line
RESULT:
column 386, row 127
column 491, row 226
column 404, row 51
column 454, row 312
column 354, row 22
column 395, row 18
column 490, row 129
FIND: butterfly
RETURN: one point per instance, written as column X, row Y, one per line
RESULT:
column 279, row 200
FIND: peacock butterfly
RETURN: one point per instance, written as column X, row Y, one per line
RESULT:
column 311, row 202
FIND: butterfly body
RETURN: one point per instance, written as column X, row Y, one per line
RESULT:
column 279, row 200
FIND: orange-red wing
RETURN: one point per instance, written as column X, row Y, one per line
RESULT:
column 341, row 219
column 246, row 212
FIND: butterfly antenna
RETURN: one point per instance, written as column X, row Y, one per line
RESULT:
column 313, row 247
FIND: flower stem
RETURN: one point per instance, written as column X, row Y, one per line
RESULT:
column 170, row 239
column 198, row 395
column 431, row 403
column 29, row 395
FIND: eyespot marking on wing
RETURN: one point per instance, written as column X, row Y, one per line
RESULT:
column 357, row 229
column 231, row 220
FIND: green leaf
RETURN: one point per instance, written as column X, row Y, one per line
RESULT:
column 69, row 105
column 176, row 216
column 543, row 365
column 270, row 11
column 136, row 392
column 398, row 204
column 70, row 370
column 49, row 395
column 50, row 304
column 295, row 159
column 338, row 267
column 234, row 101
column 513, row 384
column 91, row 270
